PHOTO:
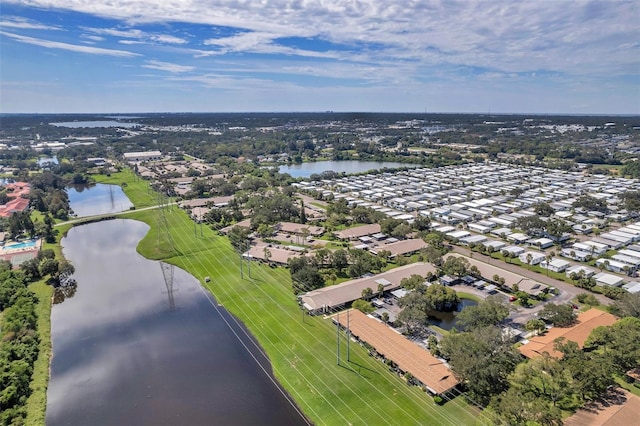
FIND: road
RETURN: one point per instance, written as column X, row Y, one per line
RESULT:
column 98, row 216
column 521, row 315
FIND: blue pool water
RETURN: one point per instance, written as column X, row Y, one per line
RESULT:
column 24, row 244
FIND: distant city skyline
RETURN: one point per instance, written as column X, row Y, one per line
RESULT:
column 545, row 57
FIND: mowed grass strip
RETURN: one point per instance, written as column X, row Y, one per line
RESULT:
column 135, row 188
column 302, row 353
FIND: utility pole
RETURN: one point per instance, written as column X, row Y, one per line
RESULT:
column 348, row 338
column 338, row 339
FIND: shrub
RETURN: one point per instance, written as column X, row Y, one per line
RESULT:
column 438, row 399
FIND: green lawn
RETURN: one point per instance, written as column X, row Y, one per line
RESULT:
column 37, row 402
column 302, row 353
column 135, row 188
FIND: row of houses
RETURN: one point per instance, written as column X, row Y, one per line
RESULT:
column 476, row 192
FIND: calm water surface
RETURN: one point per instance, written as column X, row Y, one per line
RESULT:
column 95, row 123
column 123, row 356
column 447, row 320
column 348, row 166
column 97, row 199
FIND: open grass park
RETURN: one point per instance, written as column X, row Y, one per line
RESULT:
column 302, row 349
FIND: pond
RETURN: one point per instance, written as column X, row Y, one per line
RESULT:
column 128, row 351
column 305, row 170
column 447, row 320
column 89, row 200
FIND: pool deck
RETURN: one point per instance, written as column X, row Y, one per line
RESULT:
column 18, row 255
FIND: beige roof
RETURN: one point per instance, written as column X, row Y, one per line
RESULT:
column 409, row 357
column 401, row 247
column 620, row 409
column 296, row 228
column 203, row 202
column 510, row 278
column 358, row 231
column 277, row 255
column 349, row 291
column 578, row 333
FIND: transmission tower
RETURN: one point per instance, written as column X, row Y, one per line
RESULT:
column 168, row 273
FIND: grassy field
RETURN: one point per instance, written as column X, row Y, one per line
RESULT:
column 37, row 402
column 135, row 188
column 301, row 349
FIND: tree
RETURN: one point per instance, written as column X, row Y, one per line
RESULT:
column 592, row 372
column 558, row 315
column 535, row 325
column 412, row 282
column 587, row 299
column 303, row 214
column 628, row 305
column 455, row 266
column 363, row 306
column 421, row 223
column 482, row 360
column 304, row 275
column 433, row 345
column 384, row 317
column 339, row 260
column 513, row 408
column 380, row 289
column 544, row 377
column 590, row 203
column 441, row 298
column 267, row 254
column 48, row 266
column 619, row 342
column 367, row 293
column 490, row 311
column 239, row 238
column 543, row 209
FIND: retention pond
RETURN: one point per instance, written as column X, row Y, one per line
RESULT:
column 130, row 349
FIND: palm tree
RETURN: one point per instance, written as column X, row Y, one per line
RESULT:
column 529, row 259
column 366, row 293
column 267, row 254
column 380, row 289
column 385, row 317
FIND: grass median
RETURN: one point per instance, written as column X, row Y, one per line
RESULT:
column 302, row 349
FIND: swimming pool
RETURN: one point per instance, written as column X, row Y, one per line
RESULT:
column 20, row 245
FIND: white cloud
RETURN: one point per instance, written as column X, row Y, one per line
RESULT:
column 129, row 33
column 67, row 46
column 130, row 42
column 168, row 39
column 25, row 24
column 168, row 67
column 92, row 37
column 573, row 37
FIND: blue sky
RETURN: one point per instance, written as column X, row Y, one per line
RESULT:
column 543, row 56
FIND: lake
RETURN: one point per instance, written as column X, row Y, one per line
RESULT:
column 305, row 170
column 126, row 351
column 95, row 124
column 89, row 200
column 447, row 320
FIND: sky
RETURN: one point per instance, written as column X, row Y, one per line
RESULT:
column 542, row 56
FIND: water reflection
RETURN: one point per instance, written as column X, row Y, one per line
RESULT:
column 88, row 200
column 448, row 320
column 123, row 357
column 65, row 291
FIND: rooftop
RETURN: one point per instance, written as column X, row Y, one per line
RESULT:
column 586, row 322
column 409, row 357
